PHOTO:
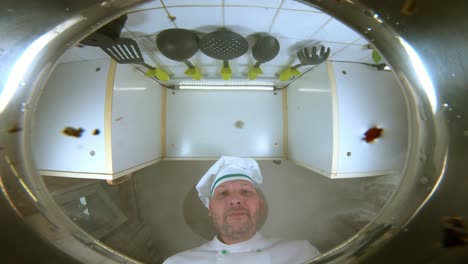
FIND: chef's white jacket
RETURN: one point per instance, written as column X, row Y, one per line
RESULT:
column 257, row 250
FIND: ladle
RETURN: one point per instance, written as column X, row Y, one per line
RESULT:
column 265, row 49
column 180, row 45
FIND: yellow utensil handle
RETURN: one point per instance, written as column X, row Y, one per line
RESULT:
column 226, row 73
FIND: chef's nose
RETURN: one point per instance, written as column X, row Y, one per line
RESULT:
column 235, row 200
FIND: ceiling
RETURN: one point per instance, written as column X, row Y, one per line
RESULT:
column 294, row 24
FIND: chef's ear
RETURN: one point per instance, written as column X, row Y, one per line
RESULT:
column 263, row 205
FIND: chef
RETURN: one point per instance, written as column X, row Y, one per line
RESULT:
column 229, row 191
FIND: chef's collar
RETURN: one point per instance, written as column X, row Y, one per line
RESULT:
column 257, row 242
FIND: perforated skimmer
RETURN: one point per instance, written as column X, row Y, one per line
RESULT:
column 225, row 46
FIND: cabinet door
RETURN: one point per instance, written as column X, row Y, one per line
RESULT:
column 73, row 97
column 310, row 121
column 136, row 119
column 366, row 98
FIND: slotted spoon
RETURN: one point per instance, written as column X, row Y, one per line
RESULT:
column 225, row 46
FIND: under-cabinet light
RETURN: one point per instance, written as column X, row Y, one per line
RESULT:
column 310, row 90
column 227, row 87
column 227, row 83
column 129, row 88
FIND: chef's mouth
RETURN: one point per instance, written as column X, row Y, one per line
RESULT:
column 237, row 213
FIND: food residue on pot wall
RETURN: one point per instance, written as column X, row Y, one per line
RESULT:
column 73, row 132
column 372, row 134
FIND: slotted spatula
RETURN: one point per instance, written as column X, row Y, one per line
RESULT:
column 126, row 50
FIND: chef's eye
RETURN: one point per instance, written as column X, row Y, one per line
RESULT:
column 222, row 194
column 246, row 192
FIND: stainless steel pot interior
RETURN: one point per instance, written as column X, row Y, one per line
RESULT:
column 425, row 43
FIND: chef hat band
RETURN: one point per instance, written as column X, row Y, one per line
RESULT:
column 230, row 177
column 227, row 169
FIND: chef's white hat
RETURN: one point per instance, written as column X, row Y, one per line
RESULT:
column 227, row 169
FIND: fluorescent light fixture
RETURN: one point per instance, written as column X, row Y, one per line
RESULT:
column 310, row 90
column 228, row 83
column 227, row 87
column 129, row 88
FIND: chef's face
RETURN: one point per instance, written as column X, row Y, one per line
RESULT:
column 236, row 209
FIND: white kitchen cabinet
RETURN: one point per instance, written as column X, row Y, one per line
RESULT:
column 119, row 111
column 318, row 121
column 211, row 123
column 136, row 120
column 310, row 120
column 329, row 111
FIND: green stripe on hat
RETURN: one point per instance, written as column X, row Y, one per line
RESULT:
column 229, row 176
